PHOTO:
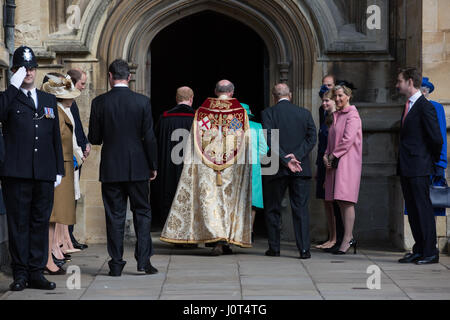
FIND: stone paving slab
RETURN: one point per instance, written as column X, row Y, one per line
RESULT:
column 191, row 274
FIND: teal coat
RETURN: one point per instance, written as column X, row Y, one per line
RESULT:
column 259, row 148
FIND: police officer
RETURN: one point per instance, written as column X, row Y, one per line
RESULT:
column 33, row 166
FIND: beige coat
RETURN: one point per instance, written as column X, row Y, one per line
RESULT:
column 64, row 202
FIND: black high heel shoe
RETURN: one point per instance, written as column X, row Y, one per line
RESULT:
column 59, row 272
column 352, row 243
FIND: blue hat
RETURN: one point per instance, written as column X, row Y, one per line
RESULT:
column 322, row 91
column 247, row 108
column 427, row 84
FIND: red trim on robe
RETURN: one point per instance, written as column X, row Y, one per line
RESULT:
column 166, row 114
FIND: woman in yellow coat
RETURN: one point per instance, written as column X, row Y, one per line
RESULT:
column 64, row 201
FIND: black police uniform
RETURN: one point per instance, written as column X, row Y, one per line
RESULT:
column 33, row 158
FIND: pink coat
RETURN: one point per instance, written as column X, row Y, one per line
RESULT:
column 345, row 142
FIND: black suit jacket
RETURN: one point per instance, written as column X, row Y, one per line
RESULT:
column 122, row 121
column 420, row 141
column 32, row 141
column 297, row 133
column 79, row 132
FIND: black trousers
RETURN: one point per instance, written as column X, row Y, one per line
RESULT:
column 420, row 214
column 274, row 190
column 115, row 197
column 28, row 205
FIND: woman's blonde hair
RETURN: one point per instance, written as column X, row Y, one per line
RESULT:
column 348, row 92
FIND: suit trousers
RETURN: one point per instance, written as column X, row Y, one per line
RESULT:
column 420, row 214
column 115, row 197
column 28, row 205
column 274, row 190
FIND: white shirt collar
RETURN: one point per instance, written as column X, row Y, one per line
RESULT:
column 33, row 95
column 120, row 85
column 25, row 91
column 414, row 98
column 283, row 99
column 224, row 97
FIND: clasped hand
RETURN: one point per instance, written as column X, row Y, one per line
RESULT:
column 294, row 165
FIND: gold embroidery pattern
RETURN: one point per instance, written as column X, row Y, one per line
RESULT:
column 203, row 212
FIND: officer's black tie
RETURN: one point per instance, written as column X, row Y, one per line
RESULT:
column 31, row 99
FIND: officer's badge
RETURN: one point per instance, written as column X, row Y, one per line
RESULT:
column 27, row 55
column 49, row 114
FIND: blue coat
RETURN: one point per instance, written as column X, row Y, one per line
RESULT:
column 443, row 157
column 443, row 126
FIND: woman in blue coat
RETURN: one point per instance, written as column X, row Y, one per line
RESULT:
column 439, row 178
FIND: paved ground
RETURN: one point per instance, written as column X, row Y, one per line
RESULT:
column 247, row 275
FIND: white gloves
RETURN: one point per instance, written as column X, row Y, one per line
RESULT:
column 58, row 180
column 17, row 78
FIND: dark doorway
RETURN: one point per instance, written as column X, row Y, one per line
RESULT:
column 201, row 49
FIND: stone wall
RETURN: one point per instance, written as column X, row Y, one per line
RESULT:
column 371, row 68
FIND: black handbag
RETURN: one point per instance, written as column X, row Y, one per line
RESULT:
column 440, row 196
column 334, row 163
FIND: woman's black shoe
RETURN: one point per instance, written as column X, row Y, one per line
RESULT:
column 56, row 260
column 333, row 249
column 60, row 272
column 352, row 243
column 67, row 256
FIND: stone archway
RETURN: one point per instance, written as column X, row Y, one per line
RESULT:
column 285, row 27
column 282, row 25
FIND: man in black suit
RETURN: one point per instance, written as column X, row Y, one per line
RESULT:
column 33, row 161
column 420, row 147
column 297, row 137
column 122, row 121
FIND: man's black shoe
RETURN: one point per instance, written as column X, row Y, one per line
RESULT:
column 149, row 269
column 18, row 285
column 305, row 254
column 114, row 274
column 226, row 249
column 428, row 260
column 272, row 253
column 41, row 284
column 410, row 258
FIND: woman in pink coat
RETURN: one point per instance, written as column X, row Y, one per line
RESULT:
column 344, row 151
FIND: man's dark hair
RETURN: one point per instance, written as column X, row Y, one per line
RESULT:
column 75, row 75
column 330, row 75
column 413, row 74
column 119, row 69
